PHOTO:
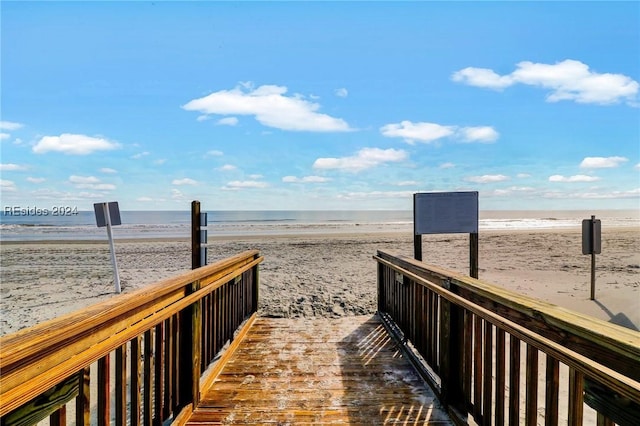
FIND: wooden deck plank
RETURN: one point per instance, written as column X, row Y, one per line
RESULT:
column 321, row 371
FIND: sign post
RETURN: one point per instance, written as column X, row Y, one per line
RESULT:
column 591, row 244
column 198, row 236
column 447, row 213
column 108, row 214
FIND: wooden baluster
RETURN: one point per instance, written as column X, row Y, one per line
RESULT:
column 477, row 369
column 576, row 397
column 552, row 392
column 158, row 376
column 121, row 385
column 148, row 380
column 104, row 397
column 531, row 407
column 514, row 381
column 487, row 374
column 136, row 382
column 500, row 376
column 59, row 417
column 83, row 400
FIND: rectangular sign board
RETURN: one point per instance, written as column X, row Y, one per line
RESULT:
column 114, row 213
column 591, row 236
column 445, row 212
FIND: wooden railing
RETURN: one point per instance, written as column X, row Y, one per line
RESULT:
column 482, row 347
column 139, row 358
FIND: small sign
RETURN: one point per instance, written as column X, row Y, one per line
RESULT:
column 203, row 219
column 446, row 213
column 114, row 213
column 591, row 236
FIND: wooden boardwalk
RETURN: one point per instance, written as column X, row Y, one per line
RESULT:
column 318, row 371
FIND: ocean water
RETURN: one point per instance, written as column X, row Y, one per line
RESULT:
column 176, row 224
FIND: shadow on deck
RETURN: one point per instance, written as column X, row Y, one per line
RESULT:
column 318, row 371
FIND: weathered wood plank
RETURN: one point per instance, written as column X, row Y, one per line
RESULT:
column 343, row 370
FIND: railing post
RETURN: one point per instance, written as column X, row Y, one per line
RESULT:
column 189, row 364
column 256, row 286
column 450, row 352
column 195, row 235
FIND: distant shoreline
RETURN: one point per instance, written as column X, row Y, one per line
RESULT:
column 212, row 237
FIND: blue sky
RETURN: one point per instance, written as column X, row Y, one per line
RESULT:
column 304, row 105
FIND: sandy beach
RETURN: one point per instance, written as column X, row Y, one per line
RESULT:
column 325, row 275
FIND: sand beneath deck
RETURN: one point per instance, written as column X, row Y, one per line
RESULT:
column 325, row 275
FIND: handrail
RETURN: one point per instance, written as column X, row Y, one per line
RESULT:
column 605, row 375
column 34, row 360
column 451, row 321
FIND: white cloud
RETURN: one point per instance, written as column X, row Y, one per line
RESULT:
column 58, row 196
column 83, row 179
column 637, row 166
column 408, row 183
column 487, row 178
column 305, row 179
column 108, row 170
column 185, row 181
column 482, row 77
column 90, row 182
column 575, row 178
column 607, row 195
column 10, row 167
column 430, row 132
column 446, row 165
column 177, row 195
column 512, row 190
column 8, row 185
column 227, row 168
column 255, row 177
column 269, row 105
column 10, row 125
column 523, row 175
column 214, row 153
column 566, row 80
column 35, row 180
column 364, row 159
column 159, row 161
column 144, row 199
column 342, row 92
column 485, row 134
column 410, row 132
column 71, row 144
column 4, row 136
column 140, row 155
column 236, row 184
column 602, row 162
column 228, row 121
column 376, row 195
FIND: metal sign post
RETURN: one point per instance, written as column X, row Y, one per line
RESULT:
column 591, row 244
column 108, row 214
column 447, row 213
